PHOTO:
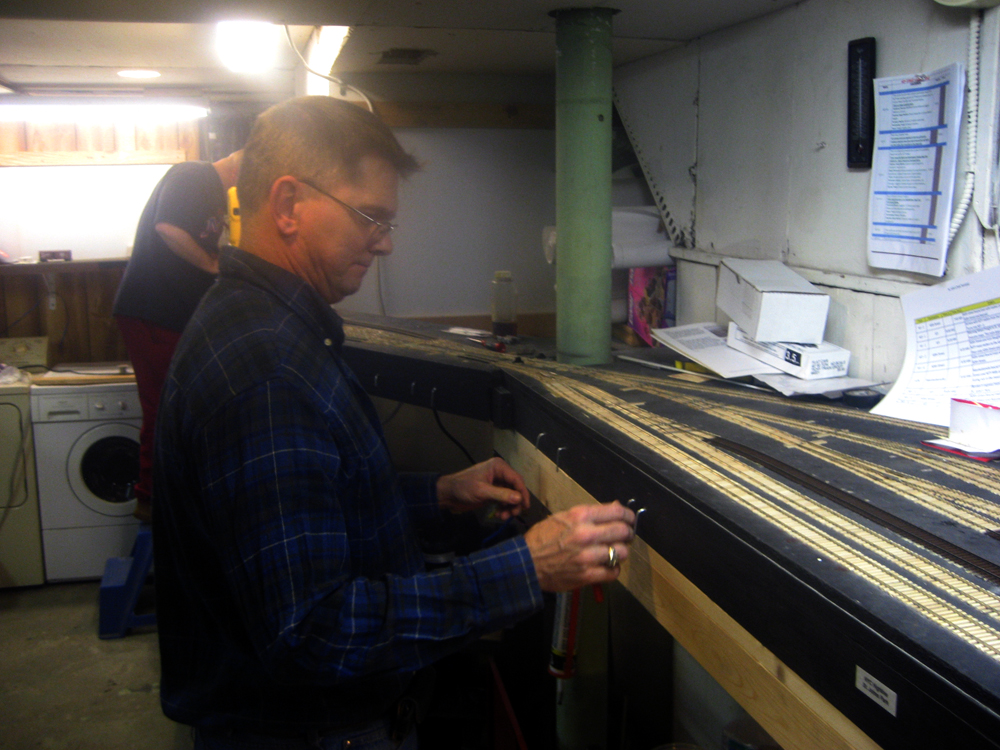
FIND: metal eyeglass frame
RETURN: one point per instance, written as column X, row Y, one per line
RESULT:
column 379, row 229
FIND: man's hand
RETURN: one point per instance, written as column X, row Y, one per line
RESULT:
column 490, row 481
column 571, row 549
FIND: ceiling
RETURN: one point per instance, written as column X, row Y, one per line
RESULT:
column 78, row 46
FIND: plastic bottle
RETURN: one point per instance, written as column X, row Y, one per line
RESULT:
column 503, row 309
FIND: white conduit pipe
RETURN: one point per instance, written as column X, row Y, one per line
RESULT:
column 971, row 135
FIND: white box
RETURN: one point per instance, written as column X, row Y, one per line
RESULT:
column 771, row 302
column 975, row 425
column 806, row 361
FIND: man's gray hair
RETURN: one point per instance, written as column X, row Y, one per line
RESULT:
column 316, row 138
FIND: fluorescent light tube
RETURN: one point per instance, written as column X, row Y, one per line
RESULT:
column 327, row 41
column 139, row 74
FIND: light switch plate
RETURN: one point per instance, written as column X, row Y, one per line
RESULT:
column 25, row 352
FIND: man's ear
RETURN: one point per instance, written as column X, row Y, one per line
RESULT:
column 283, row 201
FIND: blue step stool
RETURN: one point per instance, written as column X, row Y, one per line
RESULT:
column 121, row 584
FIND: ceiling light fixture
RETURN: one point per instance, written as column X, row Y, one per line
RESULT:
column 331, row 78
column 145, row 113
column 139, row 73
column 247, row 46
column 325, row 47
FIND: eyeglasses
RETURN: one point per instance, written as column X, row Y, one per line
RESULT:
column 378, row 229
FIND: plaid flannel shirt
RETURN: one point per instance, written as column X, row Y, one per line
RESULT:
column 291, row 592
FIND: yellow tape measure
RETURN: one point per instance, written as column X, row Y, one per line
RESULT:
column 234, row 218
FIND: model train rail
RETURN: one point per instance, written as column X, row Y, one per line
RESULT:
column 890, row 542
column 979, row 566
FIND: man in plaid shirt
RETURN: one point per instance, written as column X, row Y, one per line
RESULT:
column 292, row 600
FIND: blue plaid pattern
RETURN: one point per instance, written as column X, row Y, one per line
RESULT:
column 291, row 592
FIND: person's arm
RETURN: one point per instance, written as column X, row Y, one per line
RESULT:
column 284, row 489
column 571, row 549
column 568, row 549
column 492, row 481
column 183, row 244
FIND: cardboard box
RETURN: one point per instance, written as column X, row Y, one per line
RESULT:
column 771, row 302
column 806, row 361
column 30, row 351
column 651, row 300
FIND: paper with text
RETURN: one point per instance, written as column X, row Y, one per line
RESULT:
column 952, row 349
column 917, row 119
column 705, row 343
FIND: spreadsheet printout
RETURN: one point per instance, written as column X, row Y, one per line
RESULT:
column 952, row 349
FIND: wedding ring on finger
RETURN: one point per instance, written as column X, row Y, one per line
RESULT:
column 612, row 557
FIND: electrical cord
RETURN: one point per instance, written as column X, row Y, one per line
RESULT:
column 62, row 337
column 399, row 405
column 972, row 115
column 18, row 474
column 54, row 295
column 332, row 79
column 9, row 328
column 452, row 438
column 371, row 108
column 65, row 330
column 440, row 424
column 378, row 285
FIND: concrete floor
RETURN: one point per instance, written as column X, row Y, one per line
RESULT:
column 63, row 688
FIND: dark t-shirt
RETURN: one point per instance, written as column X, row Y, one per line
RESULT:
column 159, row 286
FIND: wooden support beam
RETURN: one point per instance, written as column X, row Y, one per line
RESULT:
column 465, row 115
column 786, row 706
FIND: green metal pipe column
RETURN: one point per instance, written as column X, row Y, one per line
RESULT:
column 583, row 185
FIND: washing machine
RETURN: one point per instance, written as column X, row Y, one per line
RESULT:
column 20, row 531
column 87, row 460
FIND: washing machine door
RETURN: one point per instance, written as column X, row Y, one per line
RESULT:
column 102, row 467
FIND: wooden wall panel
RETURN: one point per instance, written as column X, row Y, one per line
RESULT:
column 28, row 144
column 12, row 137
column 22, row 306
column 81, row 327
column 125, row 137
column 145, row 138
column 50, row 136
column 106, row 344
column 167, row 137
column 189, row 140
column 66, row 325
column 95, row 138
column 156, row 137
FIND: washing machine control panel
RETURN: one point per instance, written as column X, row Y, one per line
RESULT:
column 85, row 403
column 59, row 408
column 114, row 405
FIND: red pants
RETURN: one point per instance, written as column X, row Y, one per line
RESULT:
column 150, row 349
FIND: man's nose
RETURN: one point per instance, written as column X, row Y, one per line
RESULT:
column 383, row 245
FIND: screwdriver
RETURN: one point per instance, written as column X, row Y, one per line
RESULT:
column 496, row 346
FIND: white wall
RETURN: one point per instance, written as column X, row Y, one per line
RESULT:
column 478, row 205
column 90, row 210
column 757, row 115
